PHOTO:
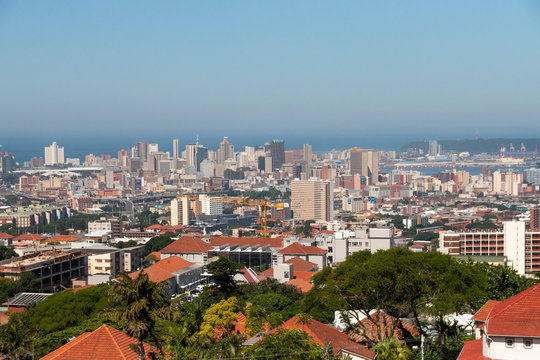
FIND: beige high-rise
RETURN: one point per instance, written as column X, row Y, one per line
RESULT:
column 365, row 163
column 312, row 199
column 180, row 212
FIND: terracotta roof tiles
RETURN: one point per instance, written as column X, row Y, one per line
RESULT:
column 299, row 249
column 189, row 245
column 104, row 343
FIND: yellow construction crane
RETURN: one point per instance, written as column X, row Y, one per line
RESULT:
column 262, row 205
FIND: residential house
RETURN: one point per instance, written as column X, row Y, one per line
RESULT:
column 508, row 329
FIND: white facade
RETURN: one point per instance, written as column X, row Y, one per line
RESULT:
column 514, row 245
column 210, row 207
column 522, row 348
column 54, row 154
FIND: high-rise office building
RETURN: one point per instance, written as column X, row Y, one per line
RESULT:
column 225, row 151
column 312, row 199
column 7, row 162
column 54, row 154
column 365, row 163
column 195, row 154
column 140, row 150
column 308, row 154
column 180, row 210
column 433, row 149
column 277, row 152
column 176, row 148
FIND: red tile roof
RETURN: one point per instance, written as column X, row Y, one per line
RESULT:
column 62, row 238
column 300, row 284
column 304, row 275
column 300, row 264
column 251, row 241
column 156, row 254
column 516, row 316
column 163, row 269
column 482, row 314
column 322, row 333
column 299, row 249
column 32, row 237
column 472, row 350
column 5, row 236
column 188, row 245
column 104, row 343
column 368, row 328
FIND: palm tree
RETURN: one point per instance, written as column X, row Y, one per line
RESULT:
column 16, row 339
column 139, row 303
column 392, row 349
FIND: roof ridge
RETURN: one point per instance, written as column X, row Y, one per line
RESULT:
column 512, row 301
column 113, row 338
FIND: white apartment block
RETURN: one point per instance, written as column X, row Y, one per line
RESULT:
column 54, row 154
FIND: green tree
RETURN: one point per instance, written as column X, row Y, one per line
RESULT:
column 138, row 303
column 392, row 349
column 286, row 345
column 399, row 283
column 158, row 243
column 502, row 283
column 223, row 271
column 7, row 253
column 220, row 319
column 17, row 339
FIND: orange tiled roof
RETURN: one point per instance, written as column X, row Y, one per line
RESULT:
column 104, row 343
column 299, row 249
column 301, row 284
column 188, row 244
column 6, row 236
column 62, row 238
column 31, row 237
column 472, row 350
column 482, row 314
column 251, row 241
column 300, row 264
column 322, row 333
column 163, row 269
column 516, row 316
column 304, row 275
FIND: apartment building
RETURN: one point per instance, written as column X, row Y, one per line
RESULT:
column 521, row 247
column 312, row 199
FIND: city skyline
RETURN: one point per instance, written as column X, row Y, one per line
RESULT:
column 414, row 69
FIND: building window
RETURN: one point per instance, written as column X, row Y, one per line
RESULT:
column 509, row 342
column 527, row 343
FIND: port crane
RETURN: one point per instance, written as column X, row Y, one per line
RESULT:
column 261, row 204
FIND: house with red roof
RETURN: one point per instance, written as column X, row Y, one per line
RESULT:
column 36, row 238
column 322, row 334
column 5, row 239
column 192, row 249
column 180, row 275
column 308, row 253
column 508, row 329
column 104, row 343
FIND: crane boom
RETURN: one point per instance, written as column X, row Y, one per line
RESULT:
column 262, row 205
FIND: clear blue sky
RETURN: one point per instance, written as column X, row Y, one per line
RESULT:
column 419, row 69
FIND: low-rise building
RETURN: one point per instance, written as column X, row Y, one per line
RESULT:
column 53, row 270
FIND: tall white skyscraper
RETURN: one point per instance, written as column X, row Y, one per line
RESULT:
column 54, row 154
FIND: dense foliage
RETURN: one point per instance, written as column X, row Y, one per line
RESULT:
column 398, row 282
